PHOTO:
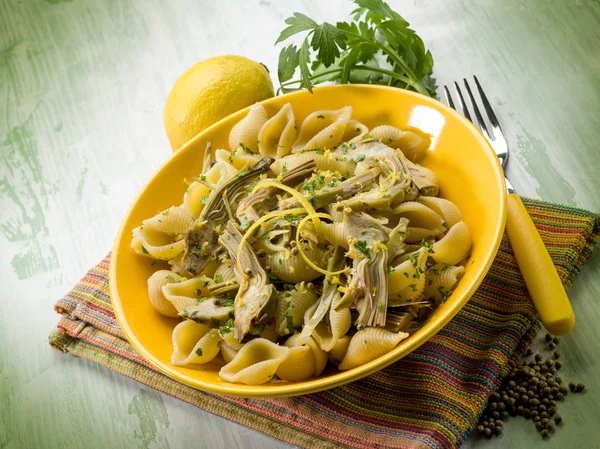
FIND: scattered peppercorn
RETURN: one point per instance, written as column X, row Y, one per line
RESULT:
column 548, row 337
column 556, row 340
column 552, row 345
column 295, row 251
column 556, row 354
column 579, row 388
column 544, row 433
column 261, row 253
column 572, row 386
column 529, row 351
column 248, row 271
column 557, row 419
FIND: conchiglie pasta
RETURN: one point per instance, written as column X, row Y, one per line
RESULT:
column 155, row 244
column 290, row 268
column 256, row 363
column 238, row 158
column 185, row 294
column 355, row 131
column 444, row 208
column 322, row 130
column 335, row 233
column 174, row 220
column 441, row 280
column 155, row 284
column 454, row 246
column 411, row 144
column 305, row 359
column 194, row 344
column 244, row 133
column 225, row 272
column 423, row 222
column 227, row 352
column 368, row 344
column 291, row 307
column 339, row 349
column 407, row 281
column 328, row 161
column 278, row 134
column 198, row 193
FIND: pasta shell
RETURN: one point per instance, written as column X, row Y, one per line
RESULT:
column 278, row 134
column 185, row 294
column 339, row 349
column 225, row 271
column 198, row 193
column 229, row 338
column 423, row 222
column 299, row 364
column 194, row 343
column 238, row 159
column 158, row 245
column 245, row 132
column 441, row 280
column 412, row 145
column 155, row 284
column 228, row 352
column 335, row 233
column 327, row 161
column 291, row 307
column 444, row 208
column 407, row 281
column 270, row 333
column 174, row 220
column 339, row 322
column 290, row 268
column 368, row 344
column 256, row 363
column 454, row 246
column 322, row 129
column 320, row 356
column 355, row 131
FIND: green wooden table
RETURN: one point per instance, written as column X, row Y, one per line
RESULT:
column 82, row 87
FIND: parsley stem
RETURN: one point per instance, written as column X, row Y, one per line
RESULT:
column 317, row 75
column 394, row 75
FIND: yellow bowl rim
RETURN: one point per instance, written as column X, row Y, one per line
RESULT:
column 343, row 377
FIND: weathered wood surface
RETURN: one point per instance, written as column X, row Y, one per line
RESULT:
column 82, row 86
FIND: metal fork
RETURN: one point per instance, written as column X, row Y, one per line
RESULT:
column 542, row 280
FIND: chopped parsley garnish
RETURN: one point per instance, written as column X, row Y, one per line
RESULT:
column 204, row 200
column 144, row 250
column 428, row 245
column 320, row 152
column 390, row 269
column 361, row 245
column 154, row 263
column 240, row 174
column 414, row 287
column 273, row 276
column 199, row 352
column 203, row 178
column 165, row 212
column 229, row 302
column 246, row 149
column 293, row 219
column 353, row 146
column 331, row 183
column 320, row 116
column 310, row 186
column 284, row 168
column 218, row 278
column 227, row 328
column 289, row 324
column 172, row 278
column 359, row 158
column 244, row 223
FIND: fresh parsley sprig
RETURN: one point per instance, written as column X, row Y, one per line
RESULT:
column 377, row 47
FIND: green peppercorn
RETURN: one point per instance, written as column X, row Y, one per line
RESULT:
column 538, row 425
column 572, row 386
column 579, row 388
column 557, row 419
column 558, row 364
column 487, row 432
column 498, row 430
column 558, row 378
column 545, row 421
column 556, row 354
column 544, row 433
column 560, row 396
column 529, row 351
column 538, row 357
column 552, row 345
column 512, row 384
column 550, row 427
column 548, row 337
column 480, row 428
column 556, row 340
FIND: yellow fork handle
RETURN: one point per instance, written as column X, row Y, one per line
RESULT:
column 544, row 285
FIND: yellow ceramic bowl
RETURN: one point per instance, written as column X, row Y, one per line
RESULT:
column 469, row 175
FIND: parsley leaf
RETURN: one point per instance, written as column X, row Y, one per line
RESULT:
column 218, row 278
column 359, row 158
column 298, row 23
column 361, row 245
column 353, row 52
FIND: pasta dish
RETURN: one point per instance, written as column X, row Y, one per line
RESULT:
column 303, row 246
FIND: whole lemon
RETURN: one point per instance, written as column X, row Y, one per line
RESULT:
column 211, row 90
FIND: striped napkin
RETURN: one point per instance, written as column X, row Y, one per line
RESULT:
column 431, row 398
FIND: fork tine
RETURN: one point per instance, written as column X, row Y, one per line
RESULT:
column 488, row 107
column 463, row 104
column 449, row 98
column 480, row 120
